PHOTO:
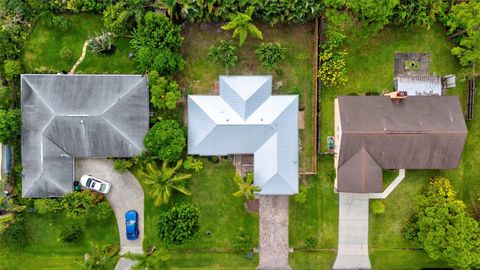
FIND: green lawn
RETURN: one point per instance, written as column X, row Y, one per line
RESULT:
column 43, row 48
column 44, row 251
column 370, row 68
column 295, row 74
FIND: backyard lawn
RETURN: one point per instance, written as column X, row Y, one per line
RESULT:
column 295, row 75
column 370, row 69
column 45, row 43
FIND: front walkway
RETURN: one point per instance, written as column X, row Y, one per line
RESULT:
column 273, row 233
column 125, row 194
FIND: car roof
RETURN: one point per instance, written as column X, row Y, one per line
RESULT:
column 131, row 214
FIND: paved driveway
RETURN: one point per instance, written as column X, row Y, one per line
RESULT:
column 125, row 194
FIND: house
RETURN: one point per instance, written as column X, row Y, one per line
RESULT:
column 412, row 75
column 65, row 117
column 373, row 133
column 243, row 119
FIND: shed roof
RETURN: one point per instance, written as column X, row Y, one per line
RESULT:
column 414, row 133
column 70, row 116
column 419, row 85
column 245, row 118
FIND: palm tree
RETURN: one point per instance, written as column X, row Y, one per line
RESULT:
column 162, row 181
column 242, row 23
column 245, row 186
column 8, row 209
column 149, row 260
column 99, row 257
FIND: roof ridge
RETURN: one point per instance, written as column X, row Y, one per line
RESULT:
column 121, row 133
column 122, row 96
column 38, row 94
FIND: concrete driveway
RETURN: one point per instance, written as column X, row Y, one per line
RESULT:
column 125, row 194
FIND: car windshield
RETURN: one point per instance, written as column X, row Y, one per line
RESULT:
column 102, row 187
column 131, row 222
column 89, row 181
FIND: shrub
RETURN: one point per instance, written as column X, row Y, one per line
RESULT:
column 9, row 125
column 165, row 140
column 164, row 94
column 102, row 210
column 179, row 224
column 197, row 165
column 5, row 93
column 61, row 23
column 333, row 68
column 270, row 54
column 443, row 227
column 224, row 54
column 100, row 256
column 117, row 19
column 76, row 204
column 15, row 237
column 13, row 69
column 242, row 242
column 378, row 207
column 47, row 205
column 70, row 233
column 122, row 165
column 311, row 242
column 101, row 43
column 301, row 197
column 164, row 61
column 65, row 53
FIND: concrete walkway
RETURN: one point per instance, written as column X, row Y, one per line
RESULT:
column 390, row 188
column 124, row 264
column 125, row 194
column 273, row 233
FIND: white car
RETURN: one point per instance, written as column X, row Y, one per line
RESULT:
column 95, row 184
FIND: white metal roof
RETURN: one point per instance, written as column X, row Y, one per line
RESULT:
column 419, row 85
column 245, row 118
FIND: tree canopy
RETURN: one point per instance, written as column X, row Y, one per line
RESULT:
column 165, row 140
column 9, row 125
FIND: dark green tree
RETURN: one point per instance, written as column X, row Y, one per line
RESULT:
column 164, row 94
column 165, row 140
column 242, row 26
column 179, row 224
column 9, row 125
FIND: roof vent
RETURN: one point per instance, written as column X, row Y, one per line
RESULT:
column 397, row 95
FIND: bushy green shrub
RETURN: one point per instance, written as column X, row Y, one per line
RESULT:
column 179, row 224
column 225, row 54
column 270, row 54
column 157, row 32
column 102, row 210
column 165, row 140
column 164, row 94
column 13, row 69
column 192, row 164
column 5, row 100
column 76, row 204
column 378, row 207
column 122, row 165
column 311, row 242
column 47, row 205
column 242, row 242
column 9, row 125
column 333, row 69
column 70, row 233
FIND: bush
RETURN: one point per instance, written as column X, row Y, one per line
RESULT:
column 378, row 207
column 76, row 204
column 270, row 54
column 301, row 197
column 9, row 125
column 165, row 140
column 5, row 93
column 242, row 242
column 122, row 165
column 224, row 54
column 117, row 19
column 65, row 53
column 70, row 233
column 15, row 237
column 102, row 210
column 164, row 94
column 164, row 61
column 101, row 43
column 179, row 224
column 311, row 242
column 192, row 164
column 61, row 23
column 13, row 69
column 333, row 67
column 47, row 205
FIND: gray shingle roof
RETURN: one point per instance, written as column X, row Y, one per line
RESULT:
column 419, row 132
column 77, row 116
column 244, row 119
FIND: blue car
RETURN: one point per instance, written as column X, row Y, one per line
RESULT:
column 131, row 222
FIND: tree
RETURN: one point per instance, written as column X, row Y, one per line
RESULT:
column 153, row 260
column 270, row 54
column 157, row 32
column 242, row 26
column 9, row 125
column 224, row 54
column 374, row 16
column 179, row 224
column 442, row 226
column 124, row 15
column 13, row 69
column 161, row 182
column 464, row 24
column 164, row 61
column 417, row 13
column 101, row 43
column 99, row 257
column 165, row 140
column 245, row 186
column 164, row 94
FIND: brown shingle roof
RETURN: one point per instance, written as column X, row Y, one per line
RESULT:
column 414, row 133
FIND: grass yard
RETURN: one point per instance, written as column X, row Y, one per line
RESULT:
column 295, row 76
column 45, row 251
column 43, row 48
column 370, row 68
column 221, row 217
